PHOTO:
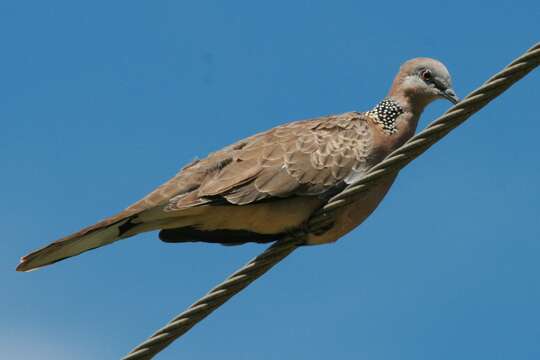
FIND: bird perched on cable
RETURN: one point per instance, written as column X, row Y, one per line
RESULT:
column 263, row 187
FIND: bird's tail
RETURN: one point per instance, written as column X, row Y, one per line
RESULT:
column 103, row 233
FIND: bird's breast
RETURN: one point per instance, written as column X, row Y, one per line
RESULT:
column 350, row 216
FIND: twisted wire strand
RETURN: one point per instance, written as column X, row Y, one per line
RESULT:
column 394, row 162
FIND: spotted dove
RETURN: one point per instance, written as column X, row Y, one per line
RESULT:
column 265, row 186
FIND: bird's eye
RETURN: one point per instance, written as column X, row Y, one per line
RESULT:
column 426, row 75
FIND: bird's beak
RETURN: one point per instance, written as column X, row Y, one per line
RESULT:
column 450, row 95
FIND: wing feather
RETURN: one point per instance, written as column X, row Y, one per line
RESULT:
column 303, row 158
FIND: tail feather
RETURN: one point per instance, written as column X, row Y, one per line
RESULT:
column 127, row 223
column 100, row 234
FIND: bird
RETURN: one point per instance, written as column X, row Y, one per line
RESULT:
column 266, row 186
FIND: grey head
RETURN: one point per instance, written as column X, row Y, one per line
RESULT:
column 422, row 80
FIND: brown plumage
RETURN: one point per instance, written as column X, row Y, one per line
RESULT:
column 269, row 184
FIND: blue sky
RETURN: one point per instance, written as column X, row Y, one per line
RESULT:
column 101, row 101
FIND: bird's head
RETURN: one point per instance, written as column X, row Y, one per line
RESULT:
column 422, row 80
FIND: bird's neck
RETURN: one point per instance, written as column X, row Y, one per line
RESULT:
column 397, row 117
column 386, row 114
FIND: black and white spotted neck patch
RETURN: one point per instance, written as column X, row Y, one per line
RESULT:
column 385, row 114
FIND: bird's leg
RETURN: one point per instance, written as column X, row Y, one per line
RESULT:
column 323, row 227
column 303, row 231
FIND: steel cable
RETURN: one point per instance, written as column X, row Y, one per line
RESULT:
column 394, row 162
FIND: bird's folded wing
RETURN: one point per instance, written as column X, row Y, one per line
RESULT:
column 307, row 157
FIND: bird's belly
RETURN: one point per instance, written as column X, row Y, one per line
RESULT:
column 272, row 217
column 278, row 216
column 352, row 215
